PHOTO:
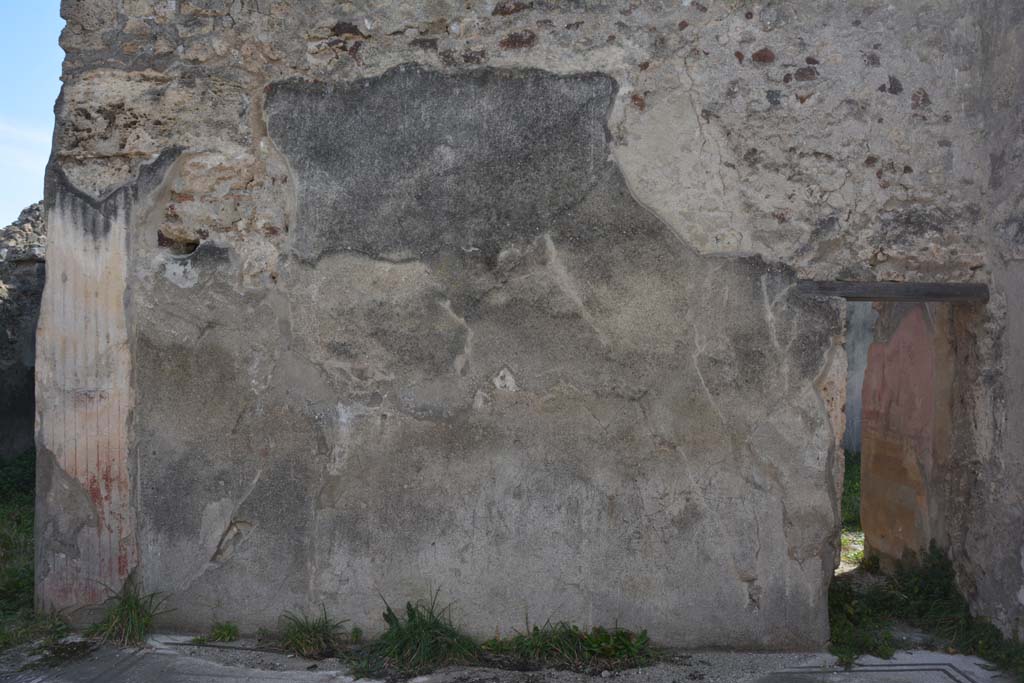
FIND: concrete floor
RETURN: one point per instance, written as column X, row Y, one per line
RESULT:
column 170, row 659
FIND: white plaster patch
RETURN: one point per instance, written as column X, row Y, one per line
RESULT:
column 344, row 415
column 505, row 381
column 180, row 273
column 216, row 516
column 480, row 400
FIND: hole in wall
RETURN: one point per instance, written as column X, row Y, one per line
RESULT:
column 177, row 246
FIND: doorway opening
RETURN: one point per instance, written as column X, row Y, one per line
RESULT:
column 900, row 403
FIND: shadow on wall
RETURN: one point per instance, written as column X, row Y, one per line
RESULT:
column 22, row 272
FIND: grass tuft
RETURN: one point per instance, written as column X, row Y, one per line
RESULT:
column 566, row 646
column 315, row 638
column 223, row 632
column 424, row 640
column 129, row 617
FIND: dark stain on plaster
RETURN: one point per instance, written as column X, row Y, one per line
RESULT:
column 485, row 157
column 893, row 87
column 346, row 29
column 428, row 44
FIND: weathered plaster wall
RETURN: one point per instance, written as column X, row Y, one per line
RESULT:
column 988, row 543
column 513, row 320
column 907, row 431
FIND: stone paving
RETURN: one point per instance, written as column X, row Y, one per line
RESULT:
column 171, row 659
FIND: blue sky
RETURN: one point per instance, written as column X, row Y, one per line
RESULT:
column 29, row 82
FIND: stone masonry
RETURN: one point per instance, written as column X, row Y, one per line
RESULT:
column 22, row 273
column 360, row 298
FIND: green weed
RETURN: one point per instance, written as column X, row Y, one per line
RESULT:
column 424, row 640
column 858, row 624
column 224, row 632
column 129, row 616
column 566, row 646
column 316, row 638
column 923, row 594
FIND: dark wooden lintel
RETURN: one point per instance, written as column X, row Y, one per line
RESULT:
column 955, row 292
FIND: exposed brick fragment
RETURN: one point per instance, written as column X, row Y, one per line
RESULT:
column 507, row 7
column 519, row 40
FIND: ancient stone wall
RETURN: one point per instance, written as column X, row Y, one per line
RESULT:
column 989, row 514
column 22, row 272
column 495, row 298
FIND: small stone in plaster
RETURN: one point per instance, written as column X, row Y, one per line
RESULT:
column 806, row 73
column 519, row 40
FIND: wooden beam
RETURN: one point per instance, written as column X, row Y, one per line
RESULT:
column 954, row 292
